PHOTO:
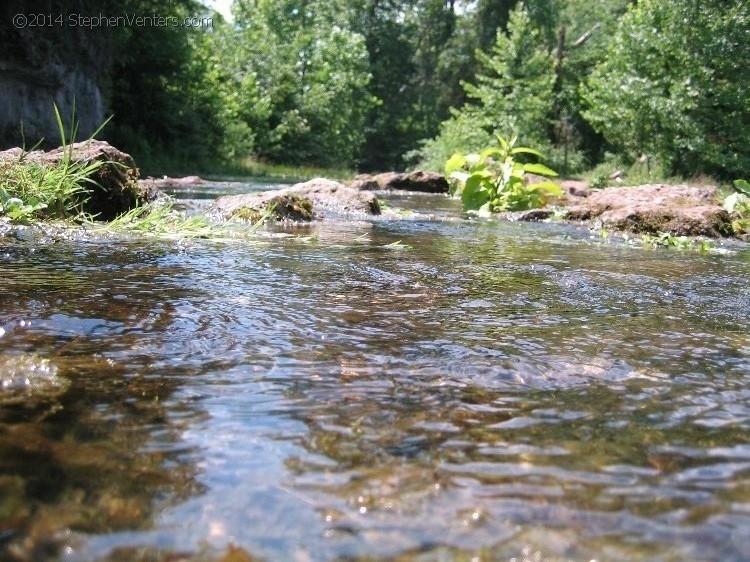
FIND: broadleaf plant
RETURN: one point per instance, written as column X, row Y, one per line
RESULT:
column 494, row 180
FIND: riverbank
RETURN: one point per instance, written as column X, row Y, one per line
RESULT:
column 97, row 181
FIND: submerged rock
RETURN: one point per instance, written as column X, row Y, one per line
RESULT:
column 422, row 181
column 677, row 209
column 117, row 176
column 298, row 202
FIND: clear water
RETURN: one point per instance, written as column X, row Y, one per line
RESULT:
column 496, row 391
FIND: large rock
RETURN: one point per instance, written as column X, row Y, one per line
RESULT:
column 68, row 64
column 253, row 206
column 322, row 194
column 425, row 182
column 118, row 190
column 678, row 209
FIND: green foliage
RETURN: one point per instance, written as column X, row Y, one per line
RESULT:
column 512, row 95
column 675, row 85
column 738, row 205
column 360, row 83
column 31, row 191
column 306, row 81
column 743, row 186
column 16, row 209
column 457, row 134
column 513, row 92
column 168, row 110
column 666, row 240
column 495, row 181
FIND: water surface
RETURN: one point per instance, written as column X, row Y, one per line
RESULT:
column 484, row 390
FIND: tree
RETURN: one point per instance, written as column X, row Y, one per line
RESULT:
column 163, row 108
column 512, row 94
column 675, row 85
column 312, row 75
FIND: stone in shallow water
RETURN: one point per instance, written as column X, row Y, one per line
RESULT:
column 678, row 209
column 318, row 193
column 24, row 375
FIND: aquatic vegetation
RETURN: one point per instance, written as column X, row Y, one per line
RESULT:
column 667, row 240
column 160, row 218
column 397, row 245
column 495, row 181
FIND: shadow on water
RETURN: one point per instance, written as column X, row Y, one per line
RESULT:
column 496, row 391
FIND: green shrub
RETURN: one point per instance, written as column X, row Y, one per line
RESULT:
column 738, row 205
column 675, row 86
column 495, row 181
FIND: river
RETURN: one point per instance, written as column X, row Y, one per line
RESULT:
column 425, row 389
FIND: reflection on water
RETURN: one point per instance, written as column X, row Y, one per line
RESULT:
column 500, row 390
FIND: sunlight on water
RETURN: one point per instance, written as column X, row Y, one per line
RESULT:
column 499, row 391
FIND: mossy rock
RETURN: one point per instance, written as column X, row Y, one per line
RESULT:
column 290, row 207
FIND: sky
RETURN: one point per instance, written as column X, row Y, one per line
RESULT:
column 221, row 6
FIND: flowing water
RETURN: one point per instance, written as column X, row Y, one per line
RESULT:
column 483, row 390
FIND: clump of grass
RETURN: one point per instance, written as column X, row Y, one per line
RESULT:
column 32, row 191
column 162, row 219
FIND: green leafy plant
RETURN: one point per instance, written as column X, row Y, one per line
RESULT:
column 16, row 209
column 495, row 181
column 738, row 205
column 599, row 181
column 667, row 240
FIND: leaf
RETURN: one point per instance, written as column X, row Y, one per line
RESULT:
column 397, row 245
column 475, row 193
column 456, row 162
column 473, row 159
column 738, row 202
column 492, row 151
column 526, row 150
column 485, row 210
column 742, row 186
column 539, row 169
column 460, row 176
column 548, row 187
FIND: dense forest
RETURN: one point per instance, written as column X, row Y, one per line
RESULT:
column 389, row 84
